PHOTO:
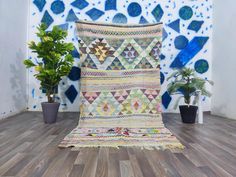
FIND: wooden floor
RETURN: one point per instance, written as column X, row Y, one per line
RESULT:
column 28, row 147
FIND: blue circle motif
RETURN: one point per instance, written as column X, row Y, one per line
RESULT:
column 74, row 74
column 57, row 7
column 119, row 18
column 180, row 42
column 201, row 66
column 134, row 9
column 185, row 12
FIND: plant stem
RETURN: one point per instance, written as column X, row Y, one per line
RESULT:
column 187, row 97
column 49, row 96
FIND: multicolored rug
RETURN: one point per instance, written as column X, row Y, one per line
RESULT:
column 120, row 85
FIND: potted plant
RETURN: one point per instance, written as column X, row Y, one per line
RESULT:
column 186, row 83
column 54, row 61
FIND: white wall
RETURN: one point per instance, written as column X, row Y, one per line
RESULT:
column 224, row 58
column 13, row 38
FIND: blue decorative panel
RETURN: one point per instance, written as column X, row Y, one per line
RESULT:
column 80, row 4
column 134, row 9
column 195, row 25
column 75, row 53
column 64, row 26
column 186, row 12
column 189, row 52
column 58, row 7
column 164, row 34
column 187, row 26
column 162, row 57
column 71, row 17
column 40, row 4
column 119, row 18
column 158, row 13
column 47, row 19
column 180, row 42
column 74, row 74
column 94, row 14
column 201, row 66
column 175, row 25
column 166, row 99
column 110, row 5
column 143, row 20
column 71, row 93
column 162, row 77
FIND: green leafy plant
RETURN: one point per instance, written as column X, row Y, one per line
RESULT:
column 54, row 59
column 186, row 83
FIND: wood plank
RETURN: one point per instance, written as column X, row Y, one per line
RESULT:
column 18, row 166
column 208, row 171
column 10, row 163
column 113, row 165
column 188, row 164
column 143, row 163
column 91, row 163
column 135, row 166
column 56, row 164
column 82, row 156
column 40, row 163
column 28, row 147
column 77, row 171
column 67, row 164
column 126, row 169
column 102, row 164
column 156, row 164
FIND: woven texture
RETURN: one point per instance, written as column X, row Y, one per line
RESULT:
column 120, row 86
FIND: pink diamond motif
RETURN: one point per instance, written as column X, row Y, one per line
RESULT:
column 150, row 94
column 91, row 96
column 121, row 95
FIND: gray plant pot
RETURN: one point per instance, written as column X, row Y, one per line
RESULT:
column 50, row 111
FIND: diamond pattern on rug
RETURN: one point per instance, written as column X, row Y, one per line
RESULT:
column 129, row 53
column 136, row 102
column 156, row 50
column 89, row 63
column 82, row 47
column 121, row 95
column 115, row 43
column 87, row 40
column 101, row 50
column 155, row 106
column 91, row 96
column 150, row 94
column 152, row 51
column 144, row 42
column 116, row 65
column 107, row 105
column 144, row 64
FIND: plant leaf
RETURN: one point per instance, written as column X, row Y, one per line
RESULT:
column 28, row 63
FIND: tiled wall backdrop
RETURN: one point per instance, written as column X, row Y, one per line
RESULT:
column 186, row 37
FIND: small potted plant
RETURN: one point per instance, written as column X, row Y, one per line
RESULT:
column 54, row 61
column 186, row 83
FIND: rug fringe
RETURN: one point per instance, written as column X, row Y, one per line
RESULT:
column 148, row 147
